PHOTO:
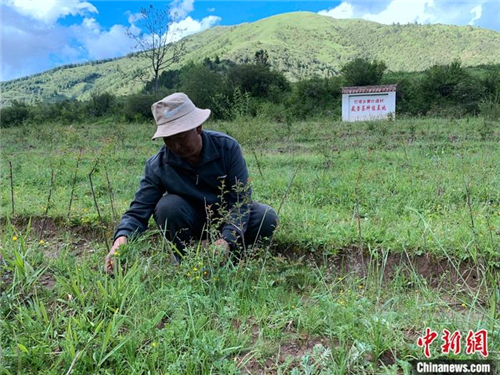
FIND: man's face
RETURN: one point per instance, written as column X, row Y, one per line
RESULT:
column 186, row 144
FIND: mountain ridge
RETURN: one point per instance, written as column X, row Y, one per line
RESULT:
column 300, row 44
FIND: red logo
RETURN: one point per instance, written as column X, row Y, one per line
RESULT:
column 475, row 342
column 427, row 340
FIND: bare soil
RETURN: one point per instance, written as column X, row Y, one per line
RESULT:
column 53, row 231
column 440, row 273
column 436, row 272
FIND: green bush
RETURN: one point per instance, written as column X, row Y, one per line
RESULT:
column 258, row 80
column 138, row 107
column 45, row 112
column 14, row 115
column 168, row 79
column 100, row 105
column 468, row 93
column 363, row 72
column 490, row 108
column 315, row 96
column 492, row 81
column 201, row 85
column 439, row 82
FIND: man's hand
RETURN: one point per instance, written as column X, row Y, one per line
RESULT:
column 108, row 263
column 223, row 246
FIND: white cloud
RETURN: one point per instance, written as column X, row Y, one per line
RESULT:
column 103, row 44
column 33, row 40
column 404, row 12
column 189, row 26
column 30, row 46
column 181, row 8
column 49, row 11
column 134, row 17
column 421, row 11
column 476, row 14
column 91, row 25
column 344, row 10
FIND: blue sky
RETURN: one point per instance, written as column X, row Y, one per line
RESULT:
column 37, row 35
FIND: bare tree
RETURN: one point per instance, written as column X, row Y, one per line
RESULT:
column 156, row 44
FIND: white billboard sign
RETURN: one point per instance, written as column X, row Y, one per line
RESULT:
column 368, row 103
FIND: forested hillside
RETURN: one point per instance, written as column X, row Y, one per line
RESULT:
column 301, row 45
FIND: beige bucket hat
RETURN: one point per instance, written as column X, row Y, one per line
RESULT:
column 176, row 114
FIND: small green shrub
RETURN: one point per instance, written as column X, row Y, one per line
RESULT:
column 138, row 107
column 490, row 108
column 101, row 105
column 316, row 96
column 14, row 115
column 363, row 72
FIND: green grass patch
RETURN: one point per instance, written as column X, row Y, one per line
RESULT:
column 365, row 210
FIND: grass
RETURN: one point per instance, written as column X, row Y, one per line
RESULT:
column 386, row 228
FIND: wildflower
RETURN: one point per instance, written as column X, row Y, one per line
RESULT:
column 197, row 277
column 153, row 344
column 41, row 242
column 463, row 305
column 205, row 273
column 215, row 279
column 195, row 269
column 117, row 254
column 293, row 307
column 188, row 274
column 14, row 238
column 360, row 286
column 339, row 278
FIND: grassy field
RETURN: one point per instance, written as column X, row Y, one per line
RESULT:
column 386, row 228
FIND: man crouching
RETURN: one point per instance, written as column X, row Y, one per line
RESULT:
column 194, row 170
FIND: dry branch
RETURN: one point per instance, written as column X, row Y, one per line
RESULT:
column 11, row 187
column 49, row 198
column 97, row 205
column 110, row 192
column 73, row 184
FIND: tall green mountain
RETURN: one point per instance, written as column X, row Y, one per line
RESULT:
column 300, row 44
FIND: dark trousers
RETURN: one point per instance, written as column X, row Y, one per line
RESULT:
column 182, row 222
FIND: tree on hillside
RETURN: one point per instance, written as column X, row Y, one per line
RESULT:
column 261, row 57
column 168, row 79
column 363, row 72
column 258, row 80
column 156, row 44
column 201, row 84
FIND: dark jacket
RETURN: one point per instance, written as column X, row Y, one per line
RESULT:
column 221, row 166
